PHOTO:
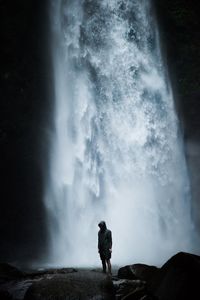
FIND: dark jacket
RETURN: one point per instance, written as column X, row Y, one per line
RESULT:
column 104, row 238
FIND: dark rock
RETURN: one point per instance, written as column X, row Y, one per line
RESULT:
column 148, row 297
column 15, row 289
column 144, row 272
column 23, row 81
column 50, row 271
column 178, row 279
column 8, row 272
column 134, row 289
column 125, row 287
column 107, row 286
column 126, row 273
column 135, row 295
column 137, row 271
column 4, row 295
column 81, row 285
column 64, row 271
column 180, row 27
column 14, row 283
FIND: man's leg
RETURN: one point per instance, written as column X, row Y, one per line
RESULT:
column 104, row 265
column 109, row 266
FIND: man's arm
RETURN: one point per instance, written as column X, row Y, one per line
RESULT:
column 110, row 241
column 98, row 242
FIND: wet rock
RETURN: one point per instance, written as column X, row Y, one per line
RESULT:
column 178, row 279
column 65, row 283
column 8, row 272
column 148, row 297
column 4, row 295
column 50, row 271
column 126, row 273
column 137, row 271
column 125, row 287
column 81, row 285
column 135, row 295
column 15, row 289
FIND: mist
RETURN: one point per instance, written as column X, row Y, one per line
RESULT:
column 116, row 150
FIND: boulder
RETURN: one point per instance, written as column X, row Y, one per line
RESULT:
column 4, row 295
column 148, row 297
column 81, row 285
column 8, row 272
column 178, row 278
column 137, row 271
column 47, row 272
column 125, row 286
column 126, row 273
column 137, row 294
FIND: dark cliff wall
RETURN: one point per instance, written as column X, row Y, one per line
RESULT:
column 25, row 109
column 180, row 34
column 23, row 100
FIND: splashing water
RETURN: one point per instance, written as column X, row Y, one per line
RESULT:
column 116, row 152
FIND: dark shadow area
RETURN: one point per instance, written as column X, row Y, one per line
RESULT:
column 179, row 27
column 24, row 113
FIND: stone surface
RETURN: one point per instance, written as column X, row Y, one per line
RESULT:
column 126, row 273
column 137, row 271
column 125, row 288
column 178, row 279
column 8, row 272
column 58, row 284
column 81, row 285
column 179, row 30
column 137, row 294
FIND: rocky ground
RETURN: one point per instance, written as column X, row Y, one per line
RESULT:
column 177, row 279
column 58, row 284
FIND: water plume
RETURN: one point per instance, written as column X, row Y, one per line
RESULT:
column 116, row 151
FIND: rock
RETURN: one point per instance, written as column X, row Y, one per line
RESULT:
column 15, row 289
column 124, row 287
column 4, row 295
column 135, row 295
column 134, row 287
column 50, row 272
column 128, row 284
column 137, row 271
column 178, row 279
column 8, row 272
column 148, row 297
column 81, row 285
column 126, row 273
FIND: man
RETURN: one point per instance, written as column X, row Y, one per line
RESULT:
column 105, row 246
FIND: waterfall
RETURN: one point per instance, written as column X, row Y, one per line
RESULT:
column 116, row 151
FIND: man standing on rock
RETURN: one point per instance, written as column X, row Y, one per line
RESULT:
column 105, row 246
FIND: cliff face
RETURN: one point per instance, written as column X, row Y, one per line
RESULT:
column 25, row 109
column 23, row 79
column 180, row 27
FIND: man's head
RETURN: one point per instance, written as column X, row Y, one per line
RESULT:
column 102, row 225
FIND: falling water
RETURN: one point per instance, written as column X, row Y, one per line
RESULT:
column 116, row 150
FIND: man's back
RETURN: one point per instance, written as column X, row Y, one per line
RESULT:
column 105, row 239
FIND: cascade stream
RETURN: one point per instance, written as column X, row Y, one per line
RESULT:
column 116, row 150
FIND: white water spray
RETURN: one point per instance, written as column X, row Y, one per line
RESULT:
column 116, row 153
